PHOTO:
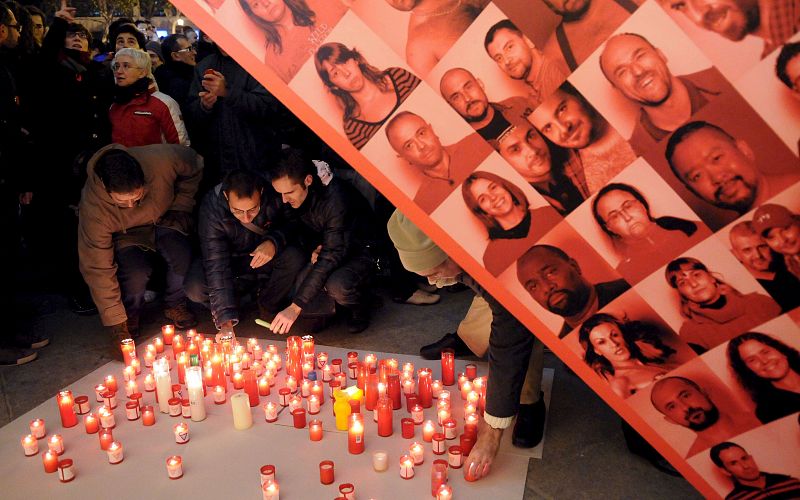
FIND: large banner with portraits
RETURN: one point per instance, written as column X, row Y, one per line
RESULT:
column 621, row 174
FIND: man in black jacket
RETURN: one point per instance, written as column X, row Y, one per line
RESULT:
column 242, row 232
column 339, row 234
column 175, row 76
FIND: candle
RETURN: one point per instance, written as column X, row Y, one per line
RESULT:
column 56, row 444
column 183, row 362
column 149, row 358
column 50, row 461
column 66, row 409
column 393, row 389
column 466, row 442
column 181, row 432
column 406, row 467
column 424, row 390
column 294, row 356
column 318, row 391
column 471, row 425
column 436, row 389
column 308, row 367
column 417, row 414
column 137, row 366
column 336, row 366
column 267, row 473
column 469, row 409
column 66, row 472
column 219, row 395
column 238, row 380
column 168, row 331
column 174, row 407
column 270, row 412
column 263, row 386
column 407, row 428
column 240, row 406
column 194, row 384
column 355, row 434
column 159, row 345
column 111, row 383
column 291, row 383
column 313, row 404
column 409, row 386
column 295, row 402
column 466, row 388
column 128, row 348
column 271, row 491
column 315, row 430
column 115, row 454
column 384, row 411
column 444, row 400
column 443, row 414
column 322, row 360
column 417, row 452
column 106, row 438
column 132, row 410
column 305, row 388
column 258, row 352
column 177, row 346
column 30, row 445
column 175, row 467
column 327, row 374
column 37, row 428
column 348, row 491
column 131, row 387
column 438, row 475
column 136, row 397
column 91, row 423
column 445, row 492
column 148, row 416
column 163, row 383
column 439, row 446
column 450, row 430
column 428, row 430
column 299, row 418
column 149, row 383
column 380, row 461
column 110, row 399
column 326, row 472
column 454, row 457
column 251, row 387
column 82, row 405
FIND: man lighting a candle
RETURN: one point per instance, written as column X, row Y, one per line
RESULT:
column 511, row 346
column 136, row 202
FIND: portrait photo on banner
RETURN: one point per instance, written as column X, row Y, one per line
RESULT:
column 767, row 243
column 766, row 455
column 772, row 88
column 422, row 33
column 637, row 222
column 426, row 149
column 736, row 34
column 562, row 280
column 628, row 345
column 707, row 296
column 354, row 81
column 649, row 78
column 495, row 215
column 692, row 409
column 725, row 162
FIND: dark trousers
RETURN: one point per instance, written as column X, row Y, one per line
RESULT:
column 135, row 265
column 347, row 284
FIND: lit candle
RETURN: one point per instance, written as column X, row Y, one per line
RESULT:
column 175, row 467
column 30, row 445
column 326, row 471
column 444, row 398
column 132, row 410
column 37, row 428
column 270, row 412
column 149, row 383
column 305, row 388
column 168, row 331
column 417, row 414
column 163, row 384
column 181, row 432
column 318, row 391
column 408, row 367
column 106, row 438
column 115, row 454
column 315, row 430
column 428, row 430
column 471, row 425
column 295, row 402
column 128, row 373
column 91, row 423
column 137, row 366
column 438, row 444
column 66, row 472
column 148, row 416
column 291, row 383
column 149, row 358
column 384, row 412
column 299, row 418
column 466, row 442
column 183, row 362
column 450, row 431
column 436, row 388
column 355, row 434
column 50, row 461
column 417, row 452
column 238, row 380
column 424, row 390
column 128, row 348
column 194, row 384
column 131, row 387
column 258, row 352
column 409, row 386
column 263, row 386
column 443, row 414
column 407, row 428
column 308, row 367
column 469, row 409
column 327, row 374
column 271, row 491
column 466, row 388
column 445, row 492
column 406, row 467
column 313, row 404
column 322, row 360
column 240, row 406
column 159, row 345
column 177, row 346
column 380, row 461
column 66, row 409
column 56, row 444
column 267, row 474
column 219, row 395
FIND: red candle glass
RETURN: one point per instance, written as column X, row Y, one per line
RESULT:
column 355, row 434
column 315, row 430
column 106, row 438
column 66, row 407
column 50, row 461
column 407, row 426
column 326, row 472
column 448, row 367
column 393, row 388
column 299, row 418
column 91, row 423
column 384, row 410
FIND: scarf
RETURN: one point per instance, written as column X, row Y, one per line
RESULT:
column 124, row 95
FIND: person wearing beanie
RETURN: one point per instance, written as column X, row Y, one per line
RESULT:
column 780, row 228
column 156, row 57
column 515, row 354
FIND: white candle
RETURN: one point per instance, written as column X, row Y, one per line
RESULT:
column 163, row 383
column 380, row 461
column 197, row 402
column 240, row 405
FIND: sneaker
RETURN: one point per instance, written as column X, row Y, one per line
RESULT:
column 10, row 356
column 529, row 427
column 449, row 341
column 181, row 316
column 82, row 306
column 421, row 298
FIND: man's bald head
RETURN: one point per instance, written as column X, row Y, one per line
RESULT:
column 414, row 140
column 465, row 94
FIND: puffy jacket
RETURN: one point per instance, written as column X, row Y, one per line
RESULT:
column 338, row 218
column 172, row 174
column 222, row 237
column 152, row 117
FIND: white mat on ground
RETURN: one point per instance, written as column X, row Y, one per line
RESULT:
column 222, row 462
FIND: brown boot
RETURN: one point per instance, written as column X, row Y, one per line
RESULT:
column 181, row 316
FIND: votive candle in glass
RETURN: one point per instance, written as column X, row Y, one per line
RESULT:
column 326, row 472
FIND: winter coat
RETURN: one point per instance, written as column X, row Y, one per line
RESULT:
column 151, row 117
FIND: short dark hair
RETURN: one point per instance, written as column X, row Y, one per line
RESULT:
column 505, row 24
column 561, row 254
column 683, row 132
column 131, row 30
column 243, row 183
column 119, row 171
column 718, row 448
column 5, row 14
column 788, row 52
column 186, row 29
column 294, row 164
column 79, row 28
column 36, row 11
column 170, row 45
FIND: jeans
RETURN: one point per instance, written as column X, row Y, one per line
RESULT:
column 135, row 265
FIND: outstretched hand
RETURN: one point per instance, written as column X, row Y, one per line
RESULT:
column 284, row 320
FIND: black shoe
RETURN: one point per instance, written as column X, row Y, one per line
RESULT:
column 529, row 427
column 31, row 340
column 82, row 306
column 449, row 341
column 10, row 356
column 458, row 287
column 358, row 321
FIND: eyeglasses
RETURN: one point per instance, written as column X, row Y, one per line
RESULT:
column 79, row 34
column 17, row 27
column 123, row 66
column 628, row 206
column 188, row 49
column 250, row 212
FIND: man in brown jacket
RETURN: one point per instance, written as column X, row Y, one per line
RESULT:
column 137, row 202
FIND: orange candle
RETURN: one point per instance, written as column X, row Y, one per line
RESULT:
column 128, row 347
column 263, row 386
column 106, row 438
column 315, row 430
column 30, row 446
column 111, row 383
column 428, row 429
column 159, row 345
column 91, row 423
column 66, row 409
column 148, row 416
column 50, row 461
column 168, row 331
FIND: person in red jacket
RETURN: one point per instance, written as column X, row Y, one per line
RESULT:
column 140, row 114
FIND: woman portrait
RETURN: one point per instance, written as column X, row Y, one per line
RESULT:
column 367, row 95
column 769, row 371
column 292, row 28
column 629, row 355
column 512, row 225
column 713, row 311
column 542, row 164
column 640, row 239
